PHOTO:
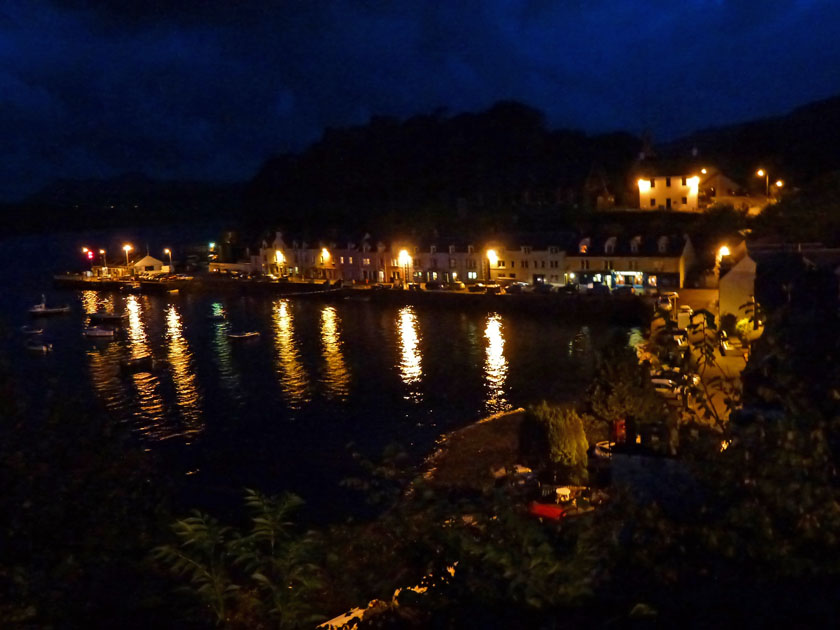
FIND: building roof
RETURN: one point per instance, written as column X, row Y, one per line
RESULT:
column 637, row 245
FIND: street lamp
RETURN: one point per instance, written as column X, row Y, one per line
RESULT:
column 127, row 248
column 404, row 259
column 279, row 258
column 169, row 251
column 102, row 253
column 492, row 259
column 762, row 173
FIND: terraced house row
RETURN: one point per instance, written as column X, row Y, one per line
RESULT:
column 643, row 261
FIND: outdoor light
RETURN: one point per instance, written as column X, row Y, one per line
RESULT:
column 404, row 260
column 694, row 184
column 211, row 245
column 279, row 258
column 762, row 173
column 723, row 251
column 169, row 251
column 85, row 250
column 703, row 170
column 492, row 256
column 325, row 255
column 644, row 185
column 127, row 248
column 779, row 183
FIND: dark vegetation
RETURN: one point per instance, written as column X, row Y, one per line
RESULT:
column 501, row 169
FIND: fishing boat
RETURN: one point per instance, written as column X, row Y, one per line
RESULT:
column 98, row 331
column 40, row 347
column 103, row 317
column 145, row 363
column 249, row 334
column 43, row 310
column 31, row 330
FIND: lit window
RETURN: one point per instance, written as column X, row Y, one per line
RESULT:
column 471, row 275
column 351, row 260
column 366, row 262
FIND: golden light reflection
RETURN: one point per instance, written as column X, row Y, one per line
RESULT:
column 89, row 301
column 495, row 366
column 411, row 367
column 293, row 378
column 146, row 383
column 337, row 377
column 180, row 357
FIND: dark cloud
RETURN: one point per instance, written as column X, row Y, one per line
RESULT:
column 209, row 89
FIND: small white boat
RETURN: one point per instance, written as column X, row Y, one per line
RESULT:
column 250, row 334
column 31, row 330
column 98, row 331
column 39, row 347
column 42, row 309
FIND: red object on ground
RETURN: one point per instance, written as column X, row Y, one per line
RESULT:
column 547, row 510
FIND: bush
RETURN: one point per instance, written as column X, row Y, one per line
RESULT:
column 565, row 438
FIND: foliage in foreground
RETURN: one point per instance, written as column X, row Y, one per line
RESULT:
column 262, row 577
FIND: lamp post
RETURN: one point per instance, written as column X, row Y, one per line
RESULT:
column 102, row 253
column 492, row 259
column 279, row 258
column 169, row 251
column 403, row 259
column 127, row 248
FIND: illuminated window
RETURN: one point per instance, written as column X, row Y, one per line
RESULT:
column 341, row 259
column 366, row 262
column 351, row 260
column 652, row 281
column 471, row 275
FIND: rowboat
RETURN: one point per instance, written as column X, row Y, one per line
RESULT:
column 39, row 347
column 42, row 310
column 98, row 331
column 251, row 334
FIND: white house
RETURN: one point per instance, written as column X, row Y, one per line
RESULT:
column 669, row 192
column 149, row 265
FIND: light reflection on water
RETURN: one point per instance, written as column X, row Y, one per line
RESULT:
column 336, row 375
column 293, row 378
column 411, row 368
column 187, row 396
column 146, row 384
column 222, row 356
column 495, row 365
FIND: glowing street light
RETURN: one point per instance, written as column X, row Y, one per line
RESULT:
column 492, row 259
column 102, row 253
column 762, row 173
column 169, row 251
column 127, row 248
column 779, row 183
column 325, row 255
column 404, row 259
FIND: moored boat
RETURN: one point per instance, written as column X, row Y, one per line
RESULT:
column 31, row 330
column 104, row 317
column 40, row 347
column 248, row 334
column 98, row 331
column 43, row 310
column 145, row 363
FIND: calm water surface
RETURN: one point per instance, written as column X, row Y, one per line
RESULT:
column 277, row 412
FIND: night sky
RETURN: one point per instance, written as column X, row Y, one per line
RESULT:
column 176, row 91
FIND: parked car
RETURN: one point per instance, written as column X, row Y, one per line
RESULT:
column 569, row 289
column 599, row 289
column 433, row 285
column 624, row 289
column 516, row 287
column 667, row 387
column 476, row 287
column 543, row 287
column 456, row 285
column 492, row 288
column 678, row 376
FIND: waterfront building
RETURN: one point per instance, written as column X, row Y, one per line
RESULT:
column 641, row 261
column 531, row 258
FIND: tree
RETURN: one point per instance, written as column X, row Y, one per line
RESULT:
column 564, row 435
